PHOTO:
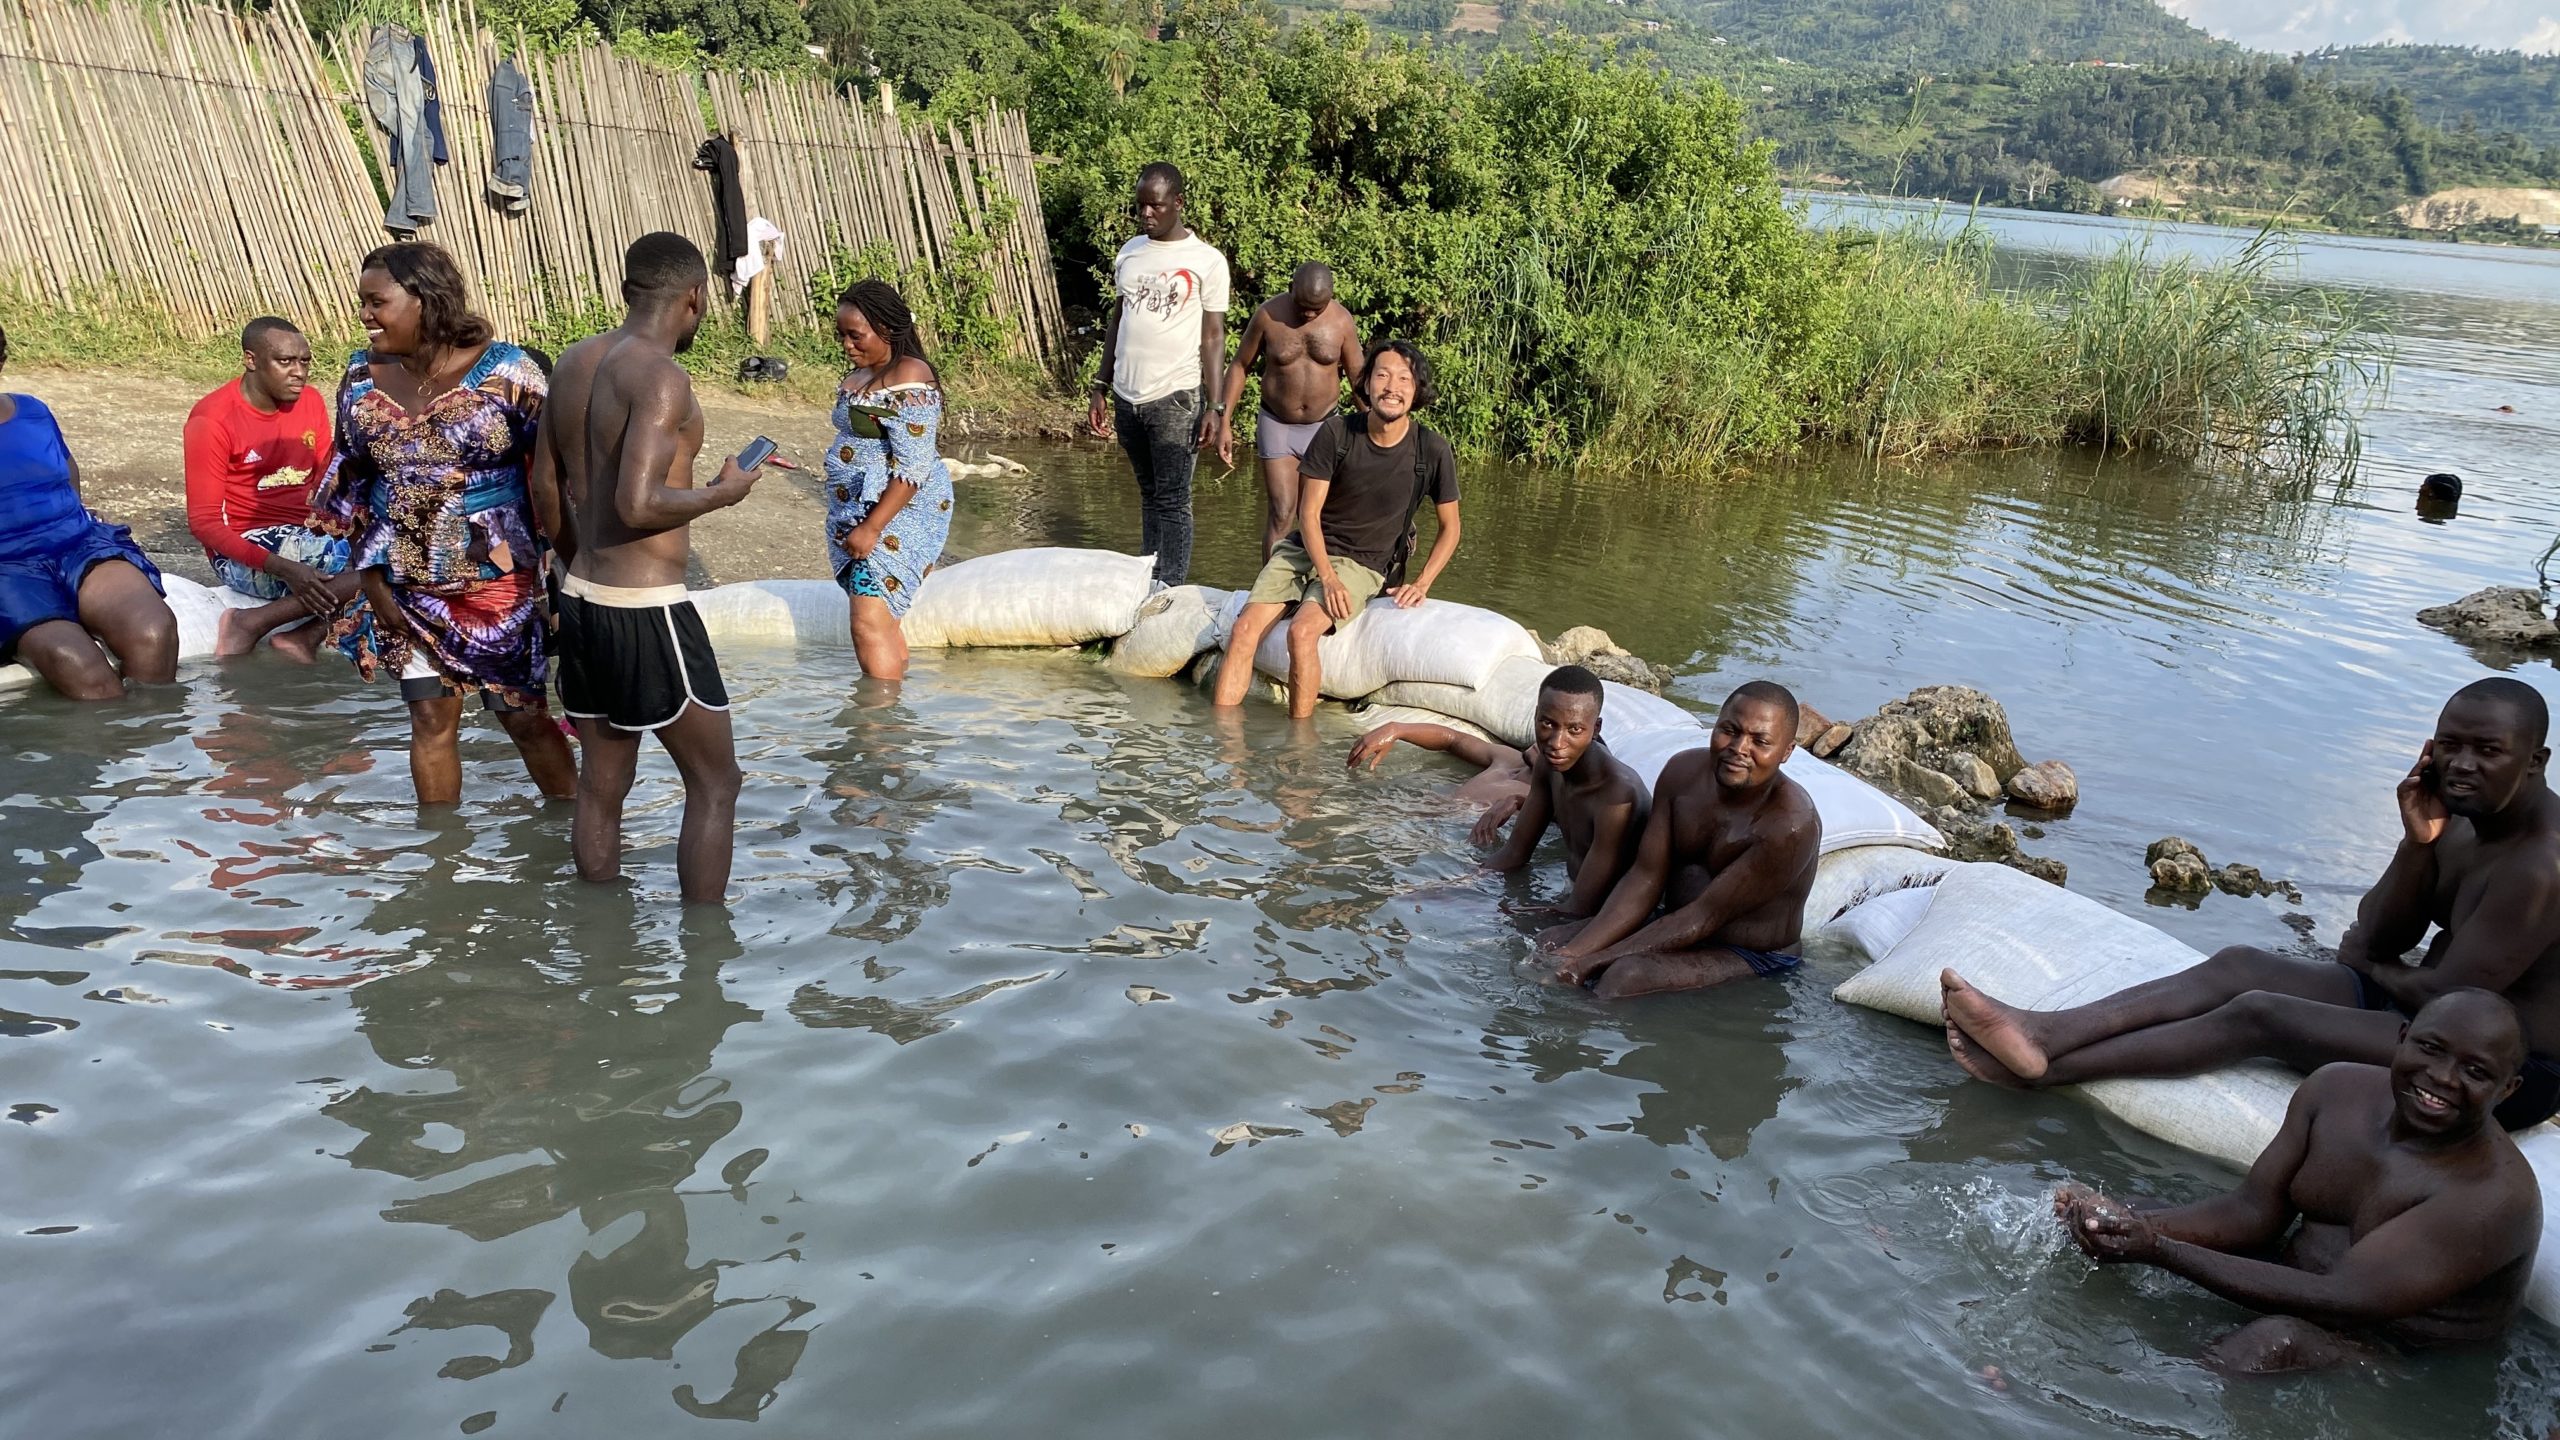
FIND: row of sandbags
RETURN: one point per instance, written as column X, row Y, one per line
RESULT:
column 1911, row 916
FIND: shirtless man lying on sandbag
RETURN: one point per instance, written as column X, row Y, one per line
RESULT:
column 2419, row 1217
column 1718, row 888
column 2479, row 857
column 1567, row 778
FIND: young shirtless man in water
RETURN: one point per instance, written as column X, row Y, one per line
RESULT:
column 2479, row 857
column 1567, row 778
column 612, row 483
column 2419, row 1217
column 1719, row 883
column 1307, row 345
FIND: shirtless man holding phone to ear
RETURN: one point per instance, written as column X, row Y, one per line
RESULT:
column 612, row 484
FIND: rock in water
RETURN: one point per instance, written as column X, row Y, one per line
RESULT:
column 1934, row 718
column 2502, row 616
column 1591, row 648
column 2048, row 785
column 1811, row 725
column 1971, row 772
column 1828, row 743
column 1970, row 837
column 1918, row 782
column 2177, row 865
column 2248, row 880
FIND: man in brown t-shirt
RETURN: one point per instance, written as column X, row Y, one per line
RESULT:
column 1361, row 483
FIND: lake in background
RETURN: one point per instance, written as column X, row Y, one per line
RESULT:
column 1073, row 1063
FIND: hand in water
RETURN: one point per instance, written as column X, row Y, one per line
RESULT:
column 1488, row 830
column 2422, row 808
column 1373, row 747
column 2106, row 1230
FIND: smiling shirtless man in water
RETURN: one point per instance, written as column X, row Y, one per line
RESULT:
column 2419, row 1218
column 1720, row 878
column 612, row 483
column 2479, row 856
column 1307, row 345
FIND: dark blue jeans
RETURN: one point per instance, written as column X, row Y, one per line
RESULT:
column 1162, row 438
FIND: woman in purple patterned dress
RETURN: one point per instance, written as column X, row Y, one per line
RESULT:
column 435, row 423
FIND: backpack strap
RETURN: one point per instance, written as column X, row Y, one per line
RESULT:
column 1413, row 511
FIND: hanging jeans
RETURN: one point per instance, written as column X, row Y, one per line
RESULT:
column 1163, row 441
column 510, row 137
column 396, row 97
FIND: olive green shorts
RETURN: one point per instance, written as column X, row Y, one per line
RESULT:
column 1289, row 576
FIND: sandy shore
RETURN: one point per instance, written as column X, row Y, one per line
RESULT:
column 126, row 429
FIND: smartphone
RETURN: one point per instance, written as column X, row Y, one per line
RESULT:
column 758, row 451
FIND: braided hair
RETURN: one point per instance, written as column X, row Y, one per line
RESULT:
column 887, row 313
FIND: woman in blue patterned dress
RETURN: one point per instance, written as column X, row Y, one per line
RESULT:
column 888, row 492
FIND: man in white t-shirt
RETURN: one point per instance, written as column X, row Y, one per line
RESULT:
column 1164, row 351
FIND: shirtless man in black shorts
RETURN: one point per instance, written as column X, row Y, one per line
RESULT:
column 1307, row 345
column 2419, row 1218
column 2479, row 857
column 1719, row 883
column 612, row 483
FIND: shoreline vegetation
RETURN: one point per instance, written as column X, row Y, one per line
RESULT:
column 1600, row 262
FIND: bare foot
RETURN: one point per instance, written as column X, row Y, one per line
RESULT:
column 1998, row 1030
column 301, row 643
column 1979, row 1065
column 231, row 634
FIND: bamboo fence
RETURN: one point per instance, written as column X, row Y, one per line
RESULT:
column 217, row 165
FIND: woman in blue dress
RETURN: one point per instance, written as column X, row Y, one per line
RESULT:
column 888, row 492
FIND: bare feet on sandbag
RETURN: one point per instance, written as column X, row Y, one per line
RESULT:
column 1978, row 1064
column 301, row 643
column 232, row 635
column 1998, row 1031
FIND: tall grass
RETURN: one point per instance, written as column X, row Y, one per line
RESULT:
column 2172, row 355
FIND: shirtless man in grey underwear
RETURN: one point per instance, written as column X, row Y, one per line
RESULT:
column 1307, row 345
column 2418, row 1216
column 612, row 484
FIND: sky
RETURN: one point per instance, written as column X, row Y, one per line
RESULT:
column 2288, row 26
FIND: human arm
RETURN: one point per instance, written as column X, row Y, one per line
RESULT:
column 1231, row 394
column 2516, row 923
column 1312, row 490
column 1537, row 811
column 1098, row 410
column 2251, row 1217
column 1632, row 899
column 1593, row 882
column 1373, row 747
column 545, row 488
column 642, row 498
column 1353, row 359
column 2393, row 915
column 207, row 453
column 1443, row 546
column 915, row 447
column 1213, row 367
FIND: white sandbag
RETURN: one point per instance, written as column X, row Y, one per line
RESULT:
column 1173, row 628
column 1874, row 925
column 776, row 612
column 1434, row 642
column 1506, row 704
column 1850, row 874
column 2028, row 943
column 1039, row 597
column 1853, row 811
column 1371, row 717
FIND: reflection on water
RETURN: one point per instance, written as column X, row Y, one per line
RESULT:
column 1077, row 1060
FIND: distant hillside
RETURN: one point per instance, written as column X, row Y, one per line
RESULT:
column 1972, row 34
column 2496, row 89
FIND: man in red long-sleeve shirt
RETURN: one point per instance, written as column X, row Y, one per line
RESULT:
column 254, row 449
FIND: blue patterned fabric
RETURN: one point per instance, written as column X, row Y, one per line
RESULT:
column 860, row 468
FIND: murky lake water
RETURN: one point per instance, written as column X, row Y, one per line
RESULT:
column 1073, row 1064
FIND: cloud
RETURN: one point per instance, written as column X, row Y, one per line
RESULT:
column 2286, row 26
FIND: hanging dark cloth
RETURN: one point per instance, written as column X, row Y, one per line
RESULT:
column 728, row 203
column 435, row 105
column 510, row 137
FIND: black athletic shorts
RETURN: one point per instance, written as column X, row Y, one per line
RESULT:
column 634, row 658
column 2536, row 1100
